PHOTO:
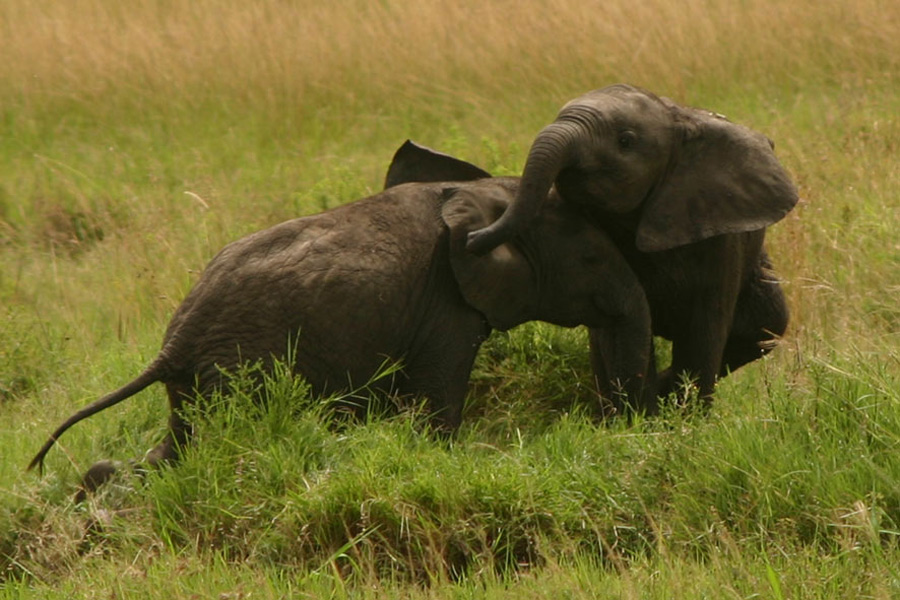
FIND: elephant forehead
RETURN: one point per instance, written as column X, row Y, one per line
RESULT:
column 606, row 114
column 622, row 99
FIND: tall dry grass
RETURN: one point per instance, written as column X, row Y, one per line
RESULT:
column 280, row 53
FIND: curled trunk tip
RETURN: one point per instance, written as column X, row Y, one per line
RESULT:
column 550, row 152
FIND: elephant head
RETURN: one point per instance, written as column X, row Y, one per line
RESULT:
column 560, row 269
column 683, row 174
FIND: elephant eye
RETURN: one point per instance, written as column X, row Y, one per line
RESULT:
column 627, row 139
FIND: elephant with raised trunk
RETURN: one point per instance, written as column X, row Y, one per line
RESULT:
column 686, row 195
column 388, row 278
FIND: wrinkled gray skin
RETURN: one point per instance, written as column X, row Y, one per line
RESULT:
column 388, row 277
column 686, row 195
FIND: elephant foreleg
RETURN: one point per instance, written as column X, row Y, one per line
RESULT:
column 623, row 363
column 697, row 354
column 625, row 377
column 439, row 370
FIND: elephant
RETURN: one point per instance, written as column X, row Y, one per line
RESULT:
column 686, row 195
column 387, row 277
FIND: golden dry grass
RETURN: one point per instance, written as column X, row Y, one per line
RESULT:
column 279, row 52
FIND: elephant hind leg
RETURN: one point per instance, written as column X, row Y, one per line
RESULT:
column 760, row 319
column 167, row 451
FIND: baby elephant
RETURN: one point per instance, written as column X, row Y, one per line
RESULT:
column 388, row 277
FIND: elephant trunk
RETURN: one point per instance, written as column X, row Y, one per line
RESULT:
column 550, row 153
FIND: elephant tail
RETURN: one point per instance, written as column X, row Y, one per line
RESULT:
column 156, row 371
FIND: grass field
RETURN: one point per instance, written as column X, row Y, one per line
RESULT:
column 137, row 138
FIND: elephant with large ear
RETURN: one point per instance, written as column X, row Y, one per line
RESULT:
column 686, row 195
column 389, row 278
column 617, row 357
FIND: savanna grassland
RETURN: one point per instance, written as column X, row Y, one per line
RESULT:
column 137, row 138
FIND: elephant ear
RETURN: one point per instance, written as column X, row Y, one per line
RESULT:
column 499, row 283
column 415, row 163
column 725, row 178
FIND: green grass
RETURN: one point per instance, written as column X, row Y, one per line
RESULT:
column 137, row 139
column 757, row 498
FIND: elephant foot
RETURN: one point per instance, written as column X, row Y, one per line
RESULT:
column 668, row 383
column 639, row 397
column 99, row 473
column 614, row 406
column 685, row 392
column 166, row 452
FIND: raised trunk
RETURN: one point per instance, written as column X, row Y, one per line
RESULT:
column 551, row 151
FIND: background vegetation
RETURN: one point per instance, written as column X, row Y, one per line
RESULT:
column 137, row 138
